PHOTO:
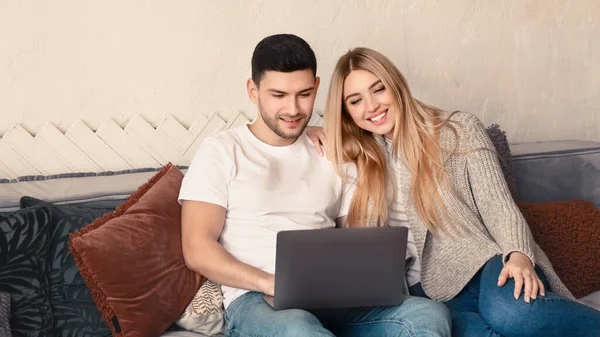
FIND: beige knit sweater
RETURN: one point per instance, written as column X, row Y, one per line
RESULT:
column 495, row 226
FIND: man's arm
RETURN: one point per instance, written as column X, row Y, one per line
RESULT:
column 201, row 225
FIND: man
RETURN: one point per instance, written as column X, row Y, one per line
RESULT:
column 246, row 184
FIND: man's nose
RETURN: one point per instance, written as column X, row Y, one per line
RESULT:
column 294, row 107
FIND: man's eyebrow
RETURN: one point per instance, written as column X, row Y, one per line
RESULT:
column 307, row 89
column 370, row 87
column 280, row 92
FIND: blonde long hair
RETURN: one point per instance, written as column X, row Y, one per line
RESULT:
column 415, row 139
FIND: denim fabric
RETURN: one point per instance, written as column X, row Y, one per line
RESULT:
column 484, row 309
column 249, row 315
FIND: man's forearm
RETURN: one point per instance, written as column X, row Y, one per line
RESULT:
column 218, row 265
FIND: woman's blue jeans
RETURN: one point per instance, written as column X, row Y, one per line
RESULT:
column 484, row 309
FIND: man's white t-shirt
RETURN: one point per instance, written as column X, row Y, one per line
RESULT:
column 265, row 189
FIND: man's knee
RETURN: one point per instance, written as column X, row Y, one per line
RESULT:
column 439, row 318
column 426, row 317
column 431, row 308
column 300, row 323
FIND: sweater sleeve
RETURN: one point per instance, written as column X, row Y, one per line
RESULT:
column 501, row 216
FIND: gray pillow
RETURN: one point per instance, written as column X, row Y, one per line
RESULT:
column 5, row 315
column 498, row 138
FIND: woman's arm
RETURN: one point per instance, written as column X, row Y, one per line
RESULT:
column 317, row 135
column 499, row 213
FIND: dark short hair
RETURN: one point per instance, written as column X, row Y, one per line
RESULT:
column 284, row 53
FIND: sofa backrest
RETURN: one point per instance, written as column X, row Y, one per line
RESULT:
column 545, row 171
column 557, row 170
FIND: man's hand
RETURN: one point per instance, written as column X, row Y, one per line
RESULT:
column 316, row 134
column 520, row 268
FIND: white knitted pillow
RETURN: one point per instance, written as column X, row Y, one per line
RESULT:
column 205, row 313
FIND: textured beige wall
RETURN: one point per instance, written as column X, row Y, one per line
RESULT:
column 533, row 66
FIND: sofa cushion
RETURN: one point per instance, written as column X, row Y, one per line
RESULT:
column 5, row 315
column 74, row 310
column 204, row 314
column 498, row 138
column 569, row 233
column 592, row 300
column 23, row 242
column 94, row 190
column 558, row 171
column 132, row 260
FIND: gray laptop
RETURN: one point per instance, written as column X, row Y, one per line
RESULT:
column 339, row 268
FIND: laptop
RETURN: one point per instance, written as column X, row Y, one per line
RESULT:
column 339, row 268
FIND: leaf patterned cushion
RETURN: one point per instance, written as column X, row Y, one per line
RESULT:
column 24, row 240
column 5, row 315
column 75, row 312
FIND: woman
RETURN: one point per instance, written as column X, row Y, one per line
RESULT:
column 475, row 251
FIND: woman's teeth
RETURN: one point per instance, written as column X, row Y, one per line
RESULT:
column 378, row 117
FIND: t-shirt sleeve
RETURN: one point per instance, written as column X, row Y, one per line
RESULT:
column 348, row 188
column 207, row 178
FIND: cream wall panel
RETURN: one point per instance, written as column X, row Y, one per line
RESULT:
column 96, row 148
column 125, row 145
column 44, row 159
column 13, row 163
column 66, row 151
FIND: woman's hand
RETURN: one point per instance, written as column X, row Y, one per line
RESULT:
column 520, row 268
column 316, row 134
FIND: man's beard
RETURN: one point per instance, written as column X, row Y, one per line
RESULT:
column 273, row 124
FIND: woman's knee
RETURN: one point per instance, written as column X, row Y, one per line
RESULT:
column 497, row 305
column 510, row 316
column 503, row 312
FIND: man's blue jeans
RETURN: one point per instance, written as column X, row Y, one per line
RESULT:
column 484, row 309
column 249, row 315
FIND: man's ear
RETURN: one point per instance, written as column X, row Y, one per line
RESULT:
column 317, row 82
column 252, row 89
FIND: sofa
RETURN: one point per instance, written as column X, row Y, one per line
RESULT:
column 57, row 301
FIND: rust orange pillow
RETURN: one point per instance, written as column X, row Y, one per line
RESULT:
column 132, row 260
column 569, row 233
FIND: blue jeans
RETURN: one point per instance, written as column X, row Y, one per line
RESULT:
column 484, row 309
column 249, row 315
